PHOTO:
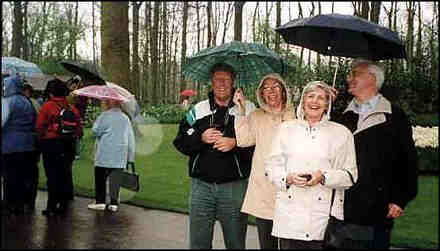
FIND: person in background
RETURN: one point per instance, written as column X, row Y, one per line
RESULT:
column 80, row 102
column 258, row 129
column 386, row 154
column 58, row 151
column 115, row 148
column 32, row 184
column 309, row 157
column 18, row 144
column 219, row 170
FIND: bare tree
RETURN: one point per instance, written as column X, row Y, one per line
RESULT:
column 375, row 11
column 254, row 18
column 155, row 52
column 164, row 64
column 238, row 20
column 226, row 22
column 115, row 42
column 410, row 8
column 17, row 30
column 209, row 18
column 278, row 23
column 183, row 55
column 25, row 31
column 135, row 47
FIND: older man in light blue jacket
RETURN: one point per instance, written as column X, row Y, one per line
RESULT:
column 115, row 147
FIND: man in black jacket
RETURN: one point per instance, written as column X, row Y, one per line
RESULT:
column 218, row 168
column 385, row 152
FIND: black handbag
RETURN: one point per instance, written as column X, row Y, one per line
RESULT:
column 129, row 179
column 343, row 235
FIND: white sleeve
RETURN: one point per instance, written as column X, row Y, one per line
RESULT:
column 275, row 162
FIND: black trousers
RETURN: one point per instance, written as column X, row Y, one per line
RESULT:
column 300, row 244
column 101, row 176
column 32, row 184
column 58, row 156
column 17, row 169
column 265, row 237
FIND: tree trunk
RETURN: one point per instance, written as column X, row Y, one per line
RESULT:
column 146, row 90
column 25, row 31
column 278, row 24
column 155, row 53
column 183, row 55
column 17, row 30
column 375, row 11
column 135, row 48
column 254, row 18
column 115, row 56
column 365, row 9
column 410, row 7
column 226, row 23
column 93, row 33
column 164, row 64
column 419, row 32
column 238, row 21
column 76, row 32
column 209, row 19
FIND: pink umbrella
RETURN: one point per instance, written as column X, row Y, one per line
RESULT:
column 101, row 92
column 188, row 92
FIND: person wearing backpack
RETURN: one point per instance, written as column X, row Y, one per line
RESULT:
column 58, row 125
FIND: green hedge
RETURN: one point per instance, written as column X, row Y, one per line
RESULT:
column 425, row 120
column 428, row 160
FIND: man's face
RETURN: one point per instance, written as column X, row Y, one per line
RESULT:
column 222, row 84
column 360, row 81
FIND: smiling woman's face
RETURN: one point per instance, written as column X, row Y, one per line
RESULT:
column 315, row 104
column 272, row 93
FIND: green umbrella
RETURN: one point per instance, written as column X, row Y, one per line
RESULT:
column 251, row 61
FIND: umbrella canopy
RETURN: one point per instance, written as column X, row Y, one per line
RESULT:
column 101, row 92
column 343, row 35
column 88, row 72
column 251, row 61
column 188, row 93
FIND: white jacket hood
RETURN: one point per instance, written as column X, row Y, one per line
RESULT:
column 260, row 99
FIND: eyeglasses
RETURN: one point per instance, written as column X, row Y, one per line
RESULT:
column 271, row 88
column 225, row 80
column 354, row 74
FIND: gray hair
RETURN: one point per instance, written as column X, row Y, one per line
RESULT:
column 374, row 68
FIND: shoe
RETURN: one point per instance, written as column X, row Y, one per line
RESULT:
column 112, row 208
column 49, row 212
column 99, row 206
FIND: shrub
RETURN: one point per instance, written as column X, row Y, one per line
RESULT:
column 165, row 113
column 428, row 160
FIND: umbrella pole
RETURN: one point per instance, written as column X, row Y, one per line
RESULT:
column 334, row 76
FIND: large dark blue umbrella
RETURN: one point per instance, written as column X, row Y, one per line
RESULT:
column 344, row 36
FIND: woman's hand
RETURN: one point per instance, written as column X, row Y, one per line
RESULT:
column 239, row 100
column 296, row 179
column 316, row 178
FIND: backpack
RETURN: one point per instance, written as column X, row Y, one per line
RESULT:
column 67, row 122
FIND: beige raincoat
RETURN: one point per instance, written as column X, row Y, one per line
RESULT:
column 302, row 213
column 258, row 129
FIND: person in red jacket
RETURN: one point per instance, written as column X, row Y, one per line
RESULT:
column 58, row 151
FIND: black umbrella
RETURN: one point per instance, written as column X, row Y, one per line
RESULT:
column 344, row 36
column 88, row 72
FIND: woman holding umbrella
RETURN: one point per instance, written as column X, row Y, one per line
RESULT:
column 258, row 129
column 115, row 148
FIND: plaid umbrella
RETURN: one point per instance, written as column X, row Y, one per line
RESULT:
column 251, row 61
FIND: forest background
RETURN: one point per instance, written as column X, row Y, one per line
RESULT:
column 142, row 45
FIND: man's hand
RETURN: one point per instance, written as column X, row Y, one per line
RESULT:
column 225, row 144
column 394, row 211
column 211, row 135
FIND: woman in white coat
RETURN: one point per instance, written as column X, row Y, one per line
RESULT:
column 318, row 148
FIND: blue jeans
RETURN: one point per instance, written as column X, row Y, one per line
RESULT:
column 209, row 202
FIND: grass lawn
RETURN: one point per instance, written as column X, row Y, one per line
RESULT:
column 165, row 185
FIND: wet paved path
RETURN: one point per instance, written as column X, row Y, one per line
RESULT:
column 81, row 228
